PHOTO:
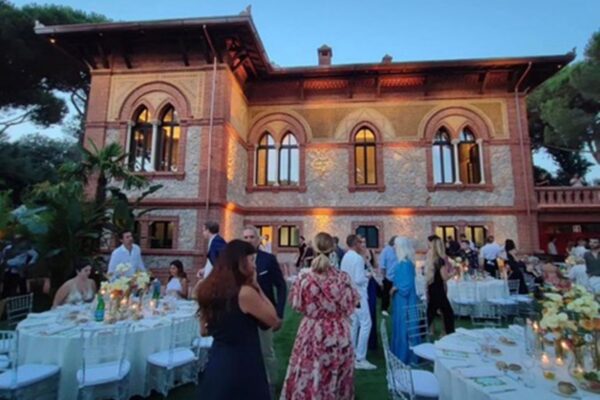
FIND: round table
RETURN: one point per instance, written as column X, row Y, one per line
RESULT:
column 457, row 362
column 49, row 338
column 477, row 291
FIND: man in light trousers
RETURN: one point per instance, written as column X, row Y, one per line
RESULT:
column 354, row 265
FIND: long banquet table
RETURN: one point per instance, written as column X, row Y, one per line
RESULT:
column 53, row 337
column 473, row 290
column 463, row 374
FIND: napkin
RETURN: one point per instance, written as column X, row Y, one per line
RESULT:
column 454, row 347
column 54, row 329
column 471, row 333
column 479, row 372
column 517, row 330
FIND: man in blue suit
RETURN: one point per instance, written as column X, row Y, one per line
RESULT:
column 269, row 277
column 215, row 245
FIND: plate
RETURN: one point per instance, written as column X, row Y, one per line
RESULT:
column 506, row 341
column 567, row 396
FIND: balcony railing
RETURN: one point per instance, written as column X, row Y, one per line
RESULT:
column 568, row 196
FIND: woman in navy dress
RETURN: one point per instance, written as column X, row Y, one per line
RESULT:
column 231, row 308
column 404, row 294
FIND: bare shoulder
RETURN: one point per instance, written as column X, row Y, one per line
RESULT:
column 247, row 293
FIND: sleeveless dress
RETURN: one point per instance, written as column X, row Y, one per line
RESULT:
column 77, row 297
column 322, row 362
column 406, row 296
column 174, row 287
column 235, row 368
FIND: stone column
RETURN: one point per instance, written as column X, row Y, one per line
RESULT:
column 455, row 143
column 153, row 147
column 481, row 169
column 128, row 140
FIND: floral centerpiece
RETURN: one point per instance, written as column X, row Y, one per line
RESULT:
column 121, row 288
column 573, row 318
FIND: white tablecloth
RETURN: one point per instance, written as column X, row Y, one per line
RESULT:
column 477, row 291
column 452, row 363
column 473, row 291
column 42, row 342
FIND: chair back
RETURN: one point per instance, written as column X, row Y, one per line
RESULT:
column 17, row 308
column 396, row 378
column 183, row 332
column 416, row 324
column 8, row 350
column 104, row 344
column 513, row 286
column 486, row 315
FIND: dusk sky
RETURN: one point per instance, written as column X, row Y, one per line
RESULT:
column 364, row 31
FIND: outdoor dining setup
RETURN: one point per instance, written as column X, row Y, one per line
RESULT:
column 129, row 341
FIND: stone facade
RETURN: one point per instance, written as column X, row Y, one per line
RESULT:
column 225, row 107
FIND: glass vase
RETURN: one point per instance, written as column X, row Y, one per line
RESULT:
column 578, row 366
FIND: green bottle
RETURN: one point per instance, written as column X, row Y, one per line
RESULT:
column 99, row 315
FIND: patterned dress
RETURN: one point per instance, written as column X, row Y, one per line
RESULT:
column 322, row 363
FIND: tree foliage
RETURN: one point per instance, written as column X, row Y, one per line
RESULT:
column 33, row 159
column 33, row 71
column 564, row 113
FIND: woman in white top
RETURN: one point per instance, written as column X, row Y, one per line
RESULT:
column 80, row 289
column 178, row 282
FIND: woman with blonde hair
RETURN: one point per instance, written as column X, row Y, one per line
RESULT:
column 404, row 294
column 322, row 361
column 436, row 276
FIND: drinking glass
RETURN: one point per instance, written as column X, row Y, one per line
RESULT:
column 529, row 365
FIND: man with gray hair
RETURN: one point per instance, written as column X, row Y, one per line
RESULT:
column 269, row 277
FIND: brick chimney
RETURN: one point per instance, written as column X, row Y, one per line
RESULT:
column 325, row 54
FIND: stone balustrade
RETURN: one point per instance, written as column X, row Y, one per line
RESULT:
column 568, row 196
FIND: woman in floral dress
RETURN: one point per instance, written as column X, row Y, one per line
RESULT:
column 322, row 362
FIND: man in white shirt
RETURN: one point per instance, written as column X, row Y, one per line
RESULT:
column 127, row 253
column 581, row 248
column 488, row 255
column 552, row 250
column 354, row 265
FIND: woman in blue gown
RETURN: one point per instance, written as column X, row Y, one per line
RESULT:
column 404, row 294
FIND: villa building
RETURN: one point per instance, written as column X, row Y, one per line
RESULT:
column 406, row 148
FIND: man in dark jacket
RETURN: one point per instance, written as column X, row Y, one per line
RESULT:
column 215, row 245
column 269, row 277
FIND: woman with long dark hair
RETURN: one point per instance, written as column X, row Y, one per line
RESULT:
column 231, row 308
column 80, row 289
column 436, row 275
column 178, row 282
column 516, row 267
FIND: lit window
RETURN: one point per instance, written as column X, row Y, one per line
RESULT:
column 168, row 141
column 468, row 158
column 446, row 231
column 140, row 148
column 289, row 161
column 288, row 236
column 476, row 234
column 443, row 158
column 371, row 235
column 266, row 161
column 365, row 158
column 161, row 235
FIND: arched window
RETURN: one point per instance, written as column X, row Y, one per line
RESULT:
column 140, row 147
column 468, row 158
column 169, row 134
column 266, row 161
column 289, row 161
column 365, row 157
column 443, row 158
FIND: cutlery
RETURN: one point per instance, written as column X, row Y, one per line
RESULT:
column 502, row 391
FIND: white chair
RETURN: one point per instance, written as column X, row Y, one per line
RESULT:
column 27, row 381
column 404, row 382
column 17, row 309
column 179, row 364
column 105, row 369
column 464, row 302
column 508, row 305
column 419, row 339
column 486, row 315
column 203, row 346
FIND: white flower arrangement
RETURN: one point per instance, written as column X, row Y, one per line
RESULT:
column 141, row 279
column 122, row 269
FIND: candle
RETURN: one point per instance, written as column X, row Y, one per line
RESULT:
column 560, row 362
column 565, row 345
column 545, row 360
column 535, row 326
